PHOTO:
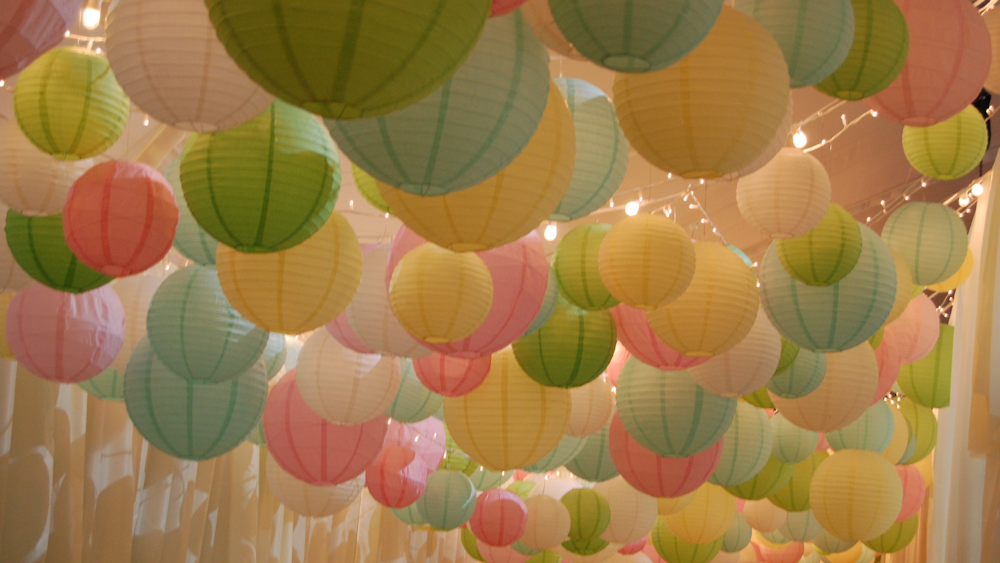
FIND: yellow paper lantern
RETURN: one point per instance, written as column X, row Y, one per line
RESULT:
column 787, row 197
column 507, row 206
column 900, row 437
column 949, row 149
column 904, row 285
column 924, row 426
column 763, row 515
column 591, row 406
column 718, row 309
column 856, row 494
column 747, row 366
column 547, row 525
column 312, row 501
column 958, row 278
column 715, row 110
column 707, row 518
column 632, row 513
column 673, row 505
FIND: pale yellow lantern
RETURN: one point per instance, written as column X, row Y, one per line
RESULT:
column 673, row 505
column 135, row 293
column 900, row 437
column 856, row 494
column 591, row 406
column 747, row 366
column 310, row 500
column 547, row 525
column 787, row 197
column 632, row 513
column 763, row 515
column 904, row 287
column 706, row 518
column 959, row 277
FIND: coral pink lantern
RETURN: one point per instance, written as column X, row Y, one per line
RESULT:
column 914, row 490
column 28, row 28
column 499, row 518
column 497, row 554
column 65, row 337
column 617, row 363
column 502, row 7
column 948, row 61
column 120, row 218
column 425, row 438
column 312, row 449
column 634, row 547
column 639, row 339
column 916, row 331
column 655, row 475
column 451, row 376
column 397, row 477
column 887, row 355
column 784, row 553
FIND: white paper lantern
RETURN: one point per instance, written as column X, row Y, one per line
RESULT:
column 548, row 522
column 747, row 366
column 310, row 500
column 32, row 182
column 787, row 197
column 135, row 293
column 591, row 406
column 632, row 513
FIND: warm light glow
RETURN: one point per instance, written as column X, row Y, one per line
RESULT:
column 799, row 139
column 963, row 201
column 977, row 189
column 91, row 18
column 632, row 208
column 551, row 232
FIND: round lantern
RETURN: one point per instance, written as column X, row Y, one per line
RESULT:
column 682, row 119
column 274, row 354
column 801, row 526
column 646, row 261
column 634, row 547
column 802, row 377
column 263, row 186
column 571, row 349
column 451, row 376
column 198, row 87
column 930, row 237
column 340, row 328
column 827, row 253
column 656, row 475
column 484, row 479
column 575, row 264
column 510, row 420
column 601, row 150
column 632, row 513
column 834, row 317
column 397, row 477
column 872, row 431
column 191, row 419
column 368, row 188
column 413, row 402
column 789, row 195
column 296, row 290
column 904, row 290
column 480, row 119
column 744, row 368
column 63, row 337
column 548, row 303
column 591, row 407
column 38, row 244
column 135, row 294
column 675, row 550
column 109, row 385
column 888, row 358
column 32, row 182
column 738, row 535
column 539, row 16
column 958, row 278
column 794, row 496
column 871, row 65
column 589, row 513
column 947, row 150
column 671, row 505
column 898, row 536
column 69, row 104
column 12, row 276
column 410, row 516
column 856, row 494
column 428, row 438
column 947, row 64
column 706, row 519
column 567, row 449
column 506, row 554
column 500, row 518
column 770, row 151
column 190, row 239
column 470, row 544
column 922, row 421
column 791, row 444
column 914, row 490
column 507, row 206
column 916, row 331
column 759, row 399
column 310, row 500
column 928, row 380
column 32, row 27
column 790, row 552
column 448, row 501
column 830, row 544
column 764, row 516
column 773, row 477
column 638, row 338
column 593, row 462
column 789, row 353
column 746, row 447
column 901, row 434
column 547, row 524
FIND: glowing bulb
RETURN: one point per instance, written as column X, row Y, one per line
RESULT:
column 923, row 183
column 551, row 232
column 874, row 113
column 906, row 197
column 386, row 215
column 977, row 189
column 145, row 122
column 632, row 208
column 611, row 204
column 351, row 203
column 964, row 200
column 799, row 139
column 91, row 18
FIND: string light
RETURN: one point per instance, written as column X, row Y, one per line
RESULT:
column 91, row 17
column 632, row 208
column 145, row 122
column 551, row 231
column 799, row 139
column 964, row 200
column 977, row 188
column 351, row 203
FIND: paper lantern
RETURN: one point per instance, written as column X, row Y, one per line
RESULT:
column 548, row 304
column 413, row 401
column 834, row 317
column 946, row 151
column 190, row 239
column 484, row 479
column 856, row 494
column 668, row 412
column 63, row 337
column 409, row 515
column 958, row 278
column 33, row 183
column 745, row 367
column 607, row 553
column 480, row 119
column 778, row 141
column 593, row 462
column 448, row 501
column 801, row 526
column 451, row 376
column 431, row 448
column 921, row 419
column 802, row 377
column 590, row 513
column 794, row 496
column 930, row 237
column 901, row 434
column 947, row 64
column 877, row 54
column 830, row 545
column 547, row 524
column 784, row 553
column 773, row 477
column 263, row 186
column 675, row 550
column 135, row 294
column 872, row 431
column 827, row 253
column 69, row 104
column 737, row 536
column 683, row 118
column 500, row 518
column 591, row 407
column 914, row 490
column 759, row 399
column 397, row 477
column 916, row 331
column 656, row 475
column 506, row 554
column 507, row 206
column 187, row 418
column 671, row 505
column 618, row 360
column 764, row 516
column 38, row 245
column 197, row 87
column 746, row 447
column 634, row 547
column 368, row 188
column 567, row 449
column 539, row 17
column 32, row 27
column 928, row 380
column 510, row 420
column 340, row 328
column 791, row 444
column 632, row 513
column 897, row 537
column 706, row 519
column 12, row 276
column 888, row 358
column 638, row 338
column 646, row 261
column 790, row 194
column 571, row 349
column 575, row 264
column 109, row 385
column 310, row 500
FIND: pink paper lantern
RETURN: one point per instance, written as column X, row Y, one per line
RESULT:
column 120, row 218
column 947, row 64
column 340, row 329
column 887, row 355
column 28, row 28
column 784, row 553
column 499, row 518
column 496, row 554
column 397, row 477
column 618, row 360
column 639, row 339
column 740, row 504
column 634, row 547
column 822, row 445
column 425, row 438
column 501, row 7
column 914, row 490
column 916, row 331
column 655, row 475
column 65, row 337
column 451, row 376
column 312, row 449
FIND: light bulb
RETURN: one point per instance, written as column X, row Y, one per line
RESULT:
column 799, row 139
column 91, row 18
column 963, row 201
column 632, row 208
column 874, row 113
column 977, row 189
column 551, row 232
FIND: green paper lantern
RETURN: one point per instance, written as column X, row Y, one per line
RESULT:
column 802, row 377
column 668, row 413
column 455, row 459
column 409, row 515
column 871, row 431
column 274, row 354
column 877, row 55
column 836, row 317
column 109, row 385
column 196, row 332
column 789, row 352
column 948, row 149
column 794, row 496
column 637, row 36
column 773, row 477
column 39, row 247
column 746, row 447
column 565, row 451
column 521, row 488
column 876, row 338
column 898, row 536
column 368, row 187
column 484, row 479
column 929, row 237
column 737, row 536
column 827, row 253
column 548, row 304
column 575, row 265
column 468, row 129
column 759, row 399
column 601, row 150
column 924, row 426
column 829, row 543
column 523, row 549
column 190, row 239
column 191, row 419
column 413, row 401
column 801, row 526
column 349, row 59
column 791, row 443
column 470, row 545
column 928, row 380
column 589, row 513
column 674, row 550
column 571, row 349
column 585, row 547
column 594, row 463
column 257, row 435
column 69, row 104
column 547, row 556
column 774, row 536
column 265, row 185
column 448, row 500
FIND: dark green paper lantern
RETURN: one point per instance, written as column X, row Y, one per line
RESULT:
column 594, row 463
column 39, row 247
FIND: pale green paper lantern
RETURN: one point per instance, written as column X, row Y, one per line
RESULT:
column 448, row 500
column 801, row 526
column 802, row 377
column 190, row 239
column 483, row 479
column 948, row 149
column 109, row 385
column 871, row 431
column 794, row 496
column 738, row 535
column 565, row 450
column 746, row 447
column 191, row 419
column 196, row 332
column 829, row 543
column 928, row 380
column 575, row 266
column 929, row 237
column 593, row 463
column 468, row 129
column 791, row 444
column 409, row 515
column 924, row 425
column 274, row 354
column 413, row 402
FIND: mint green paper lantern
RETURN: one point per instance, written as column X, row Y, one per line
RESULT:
column 575, row 265
column 601, row 150
column 668, row 413
column 39, row 247
column 265, row 185
column 413, row 401
column 594, row 463
column 448, row 500
column 256, row 436
column 548, row 304
column 109, row 385
column 746, row 447
column 635, row 36
column 738, row 535
column 409, row 515
column 274, row 354
column 565, row 450
column 571, row 349
column 484, row 479
column 871, row 431
column 835, row 317
column 772, row 478
column 929, row 237
column 829, row 543
column 468, row 129
column 196, row 332
column 190, row 239
column 791, row 443
column 928, row 380
column 191, row 419
column 802, row 377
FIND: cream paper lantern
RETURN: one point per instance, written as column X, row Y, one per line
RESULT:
column 32, row 182
column 746, row 447
column 763, row 515
column 591, row 406
column 313, row 501
column 777, row 143
column 747, row 366
column 135, row 293
column 344, row 386
column 787, row 197
column 167, row 58
column 632, row 513
column 548, row 523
